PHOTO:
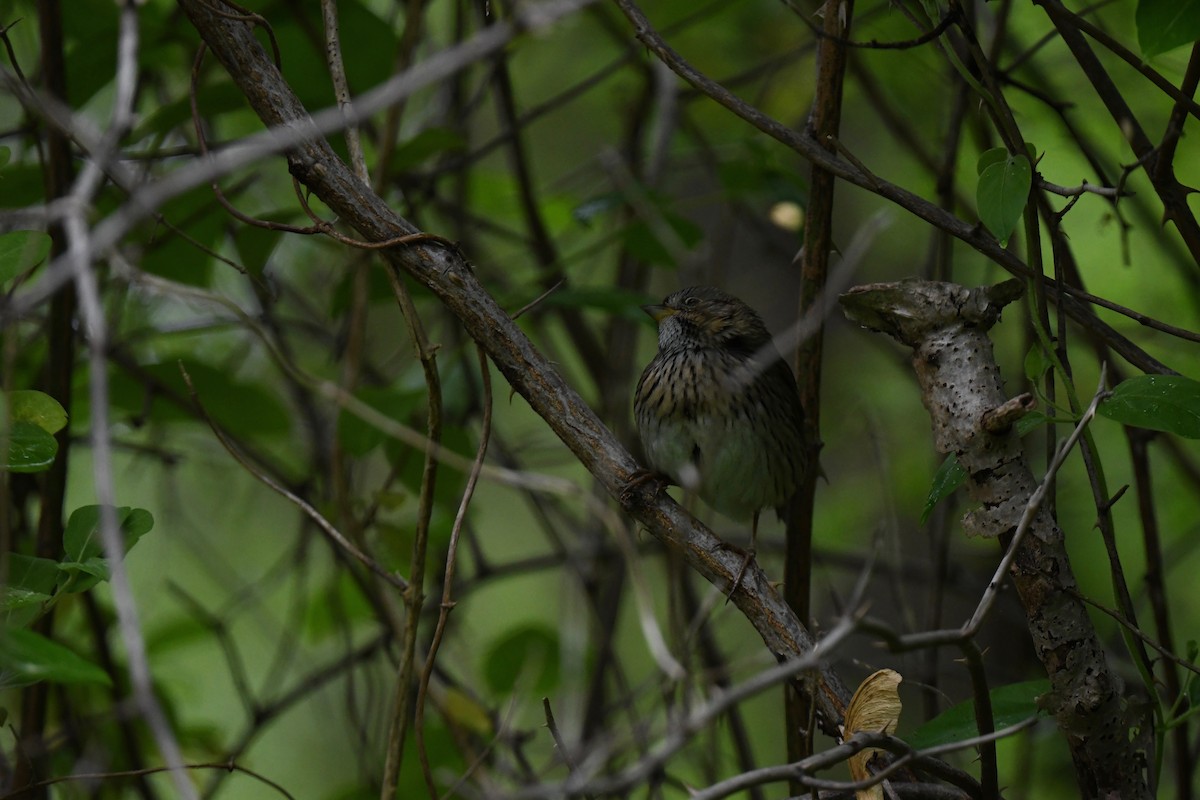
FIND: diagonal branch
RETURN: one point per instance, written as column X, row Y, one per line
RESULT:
column 452, row 280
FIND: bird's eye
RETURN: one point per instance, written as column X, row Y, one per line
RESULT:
column 691, row 302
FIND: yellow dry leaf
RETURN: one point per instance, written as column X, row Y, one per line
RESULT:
column 462, row 709
column 874, row 707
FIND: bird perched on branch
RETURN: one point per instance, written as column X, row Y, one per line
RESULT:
column 718, row 410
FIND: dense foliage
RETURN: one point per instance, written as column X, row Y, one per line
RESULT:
column 364, row 408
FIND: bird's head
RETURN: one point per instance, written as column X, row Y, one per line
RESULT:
column 705, row 317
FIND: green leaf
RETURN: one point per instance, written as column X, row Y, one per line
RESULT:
column 21, row 251
column 1031, row 421
column 1192, row 687
column 757, row 173
column 31, row 583
column 379, row 290
column 1011, row 704
column 79, row 576
column 410, row 468
column 244, row 409
column 21, row 185
column 948, row 478
column 5, row 155
column 256, row 245
column 81, row 539
column 213, row 100
column 1169, row 403
column 27, row 658
column 31, row 574
column 336, row 608
column 359, row 437
column 364, row 36
column 84, row 564
column 1002, row 192
column 30, row 445
column 996, row 155
column 179, row 252
column 424, row 146
column 21, row 607
column 1163, row 25
column 1036, row 363
column 89, row 31
column 644, row 244
column 527, row 655
column 27, row 448
column 37, row 408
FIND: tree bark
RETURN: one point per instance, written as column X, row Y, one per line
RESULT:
column 946, row 326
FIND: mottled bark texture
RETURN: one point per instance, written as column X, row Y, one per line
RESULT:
column 946, row 326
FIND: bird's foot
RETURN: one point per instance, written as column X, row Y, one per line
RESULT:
column 640, row 477
column 747, row 557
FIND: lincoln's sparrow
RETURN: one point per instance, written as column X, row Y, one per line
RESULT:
column 717, row 409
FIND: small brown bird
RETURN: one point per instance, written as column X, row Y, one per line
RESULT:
column 718, row 410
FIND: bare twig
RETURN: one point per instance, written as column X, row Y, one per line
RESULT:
column 447, row 603
column 92, row 777
column 988, row 600
column 341, row 89
column 286, row 136
column 552, row 726
column 801, row 771
column 1111, row 192
column 680, row 731
column 325, row 525
column 80, row 254
column 413, row 597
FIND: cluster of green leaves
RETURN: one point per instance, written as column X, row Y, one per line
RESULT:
column 27, row 442
column 35, row 584
column 32, row 585
column 1005, row 178
column 521, row 653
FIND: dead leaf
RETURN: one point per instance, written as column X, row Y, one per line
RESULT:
column 875, row 707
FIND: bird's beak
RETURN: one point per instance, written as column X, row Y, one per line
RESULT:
column 659, row 312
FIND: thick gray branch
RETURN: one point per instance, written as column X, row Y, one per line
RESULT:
column 946, row 326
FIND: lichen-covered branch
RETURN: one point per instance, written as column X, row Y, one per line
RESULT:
column 946, row 325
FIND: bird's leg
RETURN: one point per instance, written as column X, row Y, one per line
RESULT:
column 641, row 476
column 749, row 556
